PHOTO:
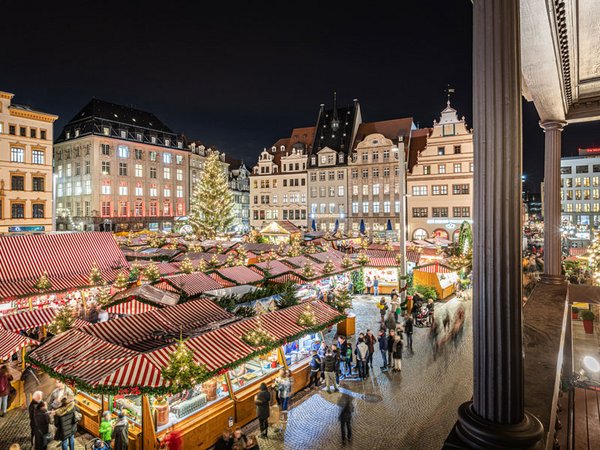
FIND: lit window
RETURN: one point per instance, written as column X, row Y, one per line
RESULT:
column 17, row 155
column 179, row 191
column 442, row 168
column 167, row 158
column 139, row 190
column 365, row 207
column 123, row 151
column 123, row 189
column 167, row 191
column 139, row 170
column 167, row 173
column 457, row 167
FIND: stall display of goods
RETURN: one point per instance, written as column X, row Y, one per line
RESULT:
column 299, row 350
column 93, row 397
column 447, row 279
column 387, row 276
column 306, row 292
column 254, row 370
column 131, row 405
column 174, row 408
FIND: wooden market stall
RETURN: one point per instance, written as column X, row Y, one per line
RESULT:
column 441, row 278
column 118, row 365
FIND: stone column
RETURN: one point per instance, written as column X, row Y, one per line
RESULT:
column 552, row 215
column 496, row 417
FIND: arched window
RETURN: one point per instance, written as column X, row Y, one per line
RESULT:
column 419, row 234
column 440, row 233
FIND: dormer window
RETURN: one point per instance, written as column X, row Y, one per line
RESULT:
column 313, row 160
column 68, row 135
column 179, row 144
column 167, row 142
column 282, row 148
column 273, row 149
column 77, row 132
column 124, row 134
column 341, row 157
column 105, row 131
column 153, row 139
column 139, row 136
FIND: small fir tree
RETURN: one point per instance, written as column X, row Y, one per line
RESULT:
column 151, row 272
column 182, row 372
column 63, row 320
column 328, row 267
column 308, row 271
column 186, row 265
column 287, row 296
column 103, row 296
column 202, row 265
column 342, row 300
column 43, row 282
column 242, row 255
column 231, row 260
column 362, row 259
column 95, row 276
column 346, row 262
column 307, row 317
column 212, row 201
column 122, row 280
column 214, row 262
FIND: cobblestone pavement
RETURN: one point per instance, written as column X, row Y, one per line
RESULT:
column 414, row 409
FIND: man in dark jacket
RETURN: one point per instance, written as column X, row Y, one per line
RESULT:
column 329, row 364
column 390, row 342
column 42, row 426
column 36, row 398
column 345, row 403
column 120, row 434
column 66, row 423
column 263, row 402
column 382, row 339
column 408, row 329
column 343, row 346
column 315, row 369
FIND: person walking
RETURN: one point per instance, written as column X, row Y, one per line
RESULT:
column 390, row 343
column 336, row 355
column 430, row 308
column 346, row 410
column 285, row 389
column 370, row 340
column 390, row 322
column 382, row 339
column 397, row 350
column 362, row 353
column 36, row 398
column 395, row 306
column 105, row 430
column 329, row 364
column 66, row 423
column 263, row 402
column 343, row 346
column 120, row 433
column 375, row 286
column 5, row 379
column 41, row 420
column 408, row 330
column 382, row 305
column 315, row 369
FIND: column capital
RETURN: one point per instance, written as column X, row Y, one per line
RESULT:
column 553, row 125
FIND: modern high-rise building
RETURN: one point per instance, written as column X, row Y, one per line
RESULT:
column 119, row 168
column 25, row 167
column 440, row 184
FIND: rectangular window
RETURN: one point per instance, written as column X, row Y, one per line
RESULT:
column 123, row 189
column 461, row 211
column 441, row 168
column 167, row 191
column 87, row 167
column 439, row 212
column 23, row 131
column 139, row 170
column 17, row 155
column 419, row 212
column 38, row 184
column 365, row 173
column 460, row 189
column 397, row 206
column 179, row 191
column 167, row 173
column 179, row 176
column 331, row 208
column 582, row 169
column 578, row 182
column 331, row 176
column 105, row 149
column 152, row 172
column 375, row 156
column 167, row 158
column 106, row 187
column 123, row 151
column 354, row 207
column 365, row 207
column 123, row 169
column 38, row 210
column 386, row 206
column 419, row 190
column 340, row 191
column 365, row 157
column 457, row 149
column 69, row 189
column 441, row 151
column 153, row 190
column 471, row 167
column 365, row 189
column 376, row 189
column 386, row 172
column 77, row 169
column 139, row 190
column 78, row 188
column 138, row 153
column 313, row 191
column 321, row 176
column 354, row 173
column 426, row 170
column 87, row 208
column 375, row 172
column 37, row 157
column 87, row 187
column 375, row 207
column 457, row 167
column 567, row 170
column 105, row 168
column 340, row 175
column 332, row 191
column 12, row 130
column 313, row 176
column 17, row 183
column 441, row 189
column 322, row 208
column 153, row 156
column 322, row 191
column 18, row 211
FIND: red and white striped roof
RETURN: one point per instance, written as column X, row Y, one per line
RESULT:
column 191, row 284
column 434, row 268
column 578, row 251
column 67, row 259
column 27, row 320
column 240, row 275
column 130, row 307
column 11, row 342
column 274, row 267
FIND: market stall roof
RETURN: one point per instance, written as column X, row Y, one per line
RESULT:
column 130, row 307
column 259, row 249
column 233, row 290
column 211, row 245
column 195, row 257
column 240, row 275
column 67, row 259
column 190, row 284
column 281, row 227
column 578, row 251
column 164, row 268
column 413, row 256
column 11, row 342
column 434, row 268
column 27, row 320
column 145, row 293
column 331, row 253
column 274, row 267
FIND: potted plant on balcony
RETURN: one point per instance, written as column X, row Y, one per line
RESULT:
column 574, row 313
column 588, row 320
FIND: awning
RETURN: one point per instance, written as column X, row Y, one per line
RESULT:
column 11, row 342
column 191, row 284
column 130, row 307
column 240, row 275
column 28, row 319
column 434, row 268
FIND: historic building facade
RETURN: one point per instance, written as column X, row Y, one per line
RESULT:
column 440, row 184
column 239, row 182
column 118, row 168
column 26, row 202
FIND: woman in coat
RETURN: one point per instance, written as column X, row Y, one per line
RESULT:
column 66, row 423
column 120, row 434
column 263, row 402
column 5, row 379
column 397, row 353
column 41, row 419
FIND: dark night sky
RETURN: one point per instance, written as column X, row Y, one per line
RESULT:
column 243, row 76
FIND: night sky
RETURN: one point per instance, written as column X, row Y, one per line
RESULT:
column 243, row 76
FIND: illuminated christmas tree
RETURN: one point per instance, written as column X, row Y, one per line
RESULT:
column 231, row 260
column 63, row 320
column 43, row 283
column 594, row 258
column 122, row 280
column 328, row 267
column 186, row 265
column 182, row 372
column 151, row 272
column 308, row 271
column 202, row 266
column 214, row 262
column 346, row 262
column 95, row 276
column 212, row 201
column 242, row 255
column 103, row 296
column 307, row 317
column 342, row 300
column 362, row 259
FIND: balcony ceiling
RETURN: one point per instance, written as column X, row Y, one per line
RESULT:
column 560, row 57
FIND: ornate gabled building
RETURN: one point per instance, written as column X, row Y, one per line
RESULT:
column 25, row 167
column 440, row 184
column 278, row 184
column 334, row 137
column 239, row 182
column 119, row 168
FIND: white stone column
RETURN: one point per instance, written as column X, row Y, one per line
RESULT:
column 496, row 417
column 552, row 214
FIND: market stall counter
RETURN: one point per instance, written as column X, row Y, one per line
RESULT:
column 297, row 356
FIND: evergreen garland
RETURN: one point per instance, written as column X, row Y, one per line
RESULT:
column 212, row 201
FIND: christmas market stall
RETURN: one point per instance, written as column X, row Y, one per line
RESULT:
column 382, row 266
column 281, row 231
column 441, row 278
column 139, row 299
column 193, row 366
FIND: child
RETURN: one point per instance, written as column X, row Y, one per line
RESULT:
column 105, row 430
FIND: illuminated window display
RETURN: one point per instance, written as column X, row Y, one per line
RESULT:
column 254, row 370
column 299, row 350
